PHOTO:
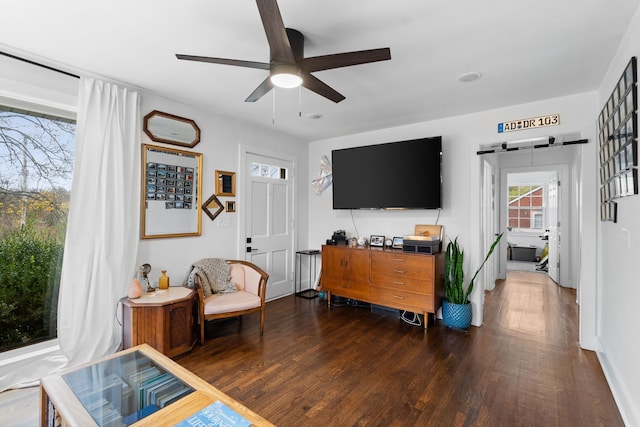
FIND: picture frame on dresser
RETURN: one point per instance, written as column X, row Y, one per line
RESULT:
column 376, row 241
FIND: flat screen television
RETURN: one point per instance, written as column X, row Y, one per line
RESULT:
column 394, row 175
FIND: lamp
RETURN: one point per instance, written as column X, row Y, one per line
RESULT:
column 144, row 270
column 286, row 76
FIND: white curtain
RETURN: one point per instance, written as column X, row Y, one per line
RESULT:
column 103, row 226
column 102, row 235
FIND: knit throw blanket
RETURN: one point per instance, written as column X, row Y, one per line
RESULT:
column 214, row 274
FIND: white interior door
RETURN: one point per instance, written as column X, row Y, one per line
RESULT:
column 554, row 231
column 269, row 220
column 491, row 268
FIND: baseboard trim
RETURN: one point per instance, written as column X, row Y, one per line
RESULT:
column 628, row 411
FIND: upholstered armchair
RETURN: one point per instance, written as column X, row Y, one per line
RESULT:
column 251, row 283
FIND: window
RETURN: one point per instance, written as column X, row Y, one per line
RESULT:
column 268, row 171
column 36, row 162
column 526, row 207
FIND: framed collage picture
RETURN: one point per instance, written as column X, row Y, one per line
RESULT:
column 618, row 143
column 171, row 187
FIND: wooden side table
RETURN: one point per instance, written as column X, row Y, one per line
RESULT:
column 164, row 319
column 308, row 293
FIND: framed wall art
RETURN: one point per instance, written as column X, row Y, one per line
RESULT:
column 171, row 129
column 171, row 192
column 225, row 183
column 618, row 143
column 212, row 207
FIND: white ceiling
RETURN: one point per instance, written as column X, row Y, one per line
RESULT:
column 525, row 50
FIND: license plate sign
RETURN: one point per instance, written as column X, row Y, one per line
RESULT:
column 531, row 123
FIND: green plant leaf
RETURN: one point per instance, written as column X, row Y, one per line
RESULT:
column 493, row 246
column 454, row 273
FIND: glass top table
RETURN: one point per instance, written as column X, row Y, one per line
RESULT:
column 123, row 390
column 138, row 386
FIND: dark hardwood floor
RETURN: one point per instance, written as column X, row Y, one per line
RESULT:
column 347, row 366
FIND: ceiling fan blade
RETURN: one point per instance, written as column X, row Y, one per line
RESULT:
column 224, row 61
column 318, row 86
column 260, row 91
column 337, row 60
column 280, row 48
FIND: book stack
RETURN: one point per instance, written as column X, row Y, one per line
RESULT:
column 102, row 398
column 154, row 389
column 122, row 391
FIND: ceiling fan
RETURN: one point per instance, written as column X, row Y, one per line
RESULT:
column 287, row 66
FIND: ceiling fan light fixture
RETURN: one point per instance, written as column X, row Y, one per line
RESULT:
column 286, row 76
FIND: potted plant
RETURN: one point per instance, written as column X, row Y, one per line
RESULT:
column 456, row 308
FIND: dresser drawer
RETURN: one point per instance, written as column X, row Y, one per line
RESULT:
column 403, row 259
column 403, row 283
column 346, row 288
column 402, row 299
column 401, row 271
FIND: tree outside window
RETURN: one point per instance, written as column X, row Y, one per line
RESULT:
column 526, row 207
column 36, row 164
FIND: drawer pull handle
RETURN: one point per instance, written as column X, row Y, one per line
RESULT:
column 398, row 283
column 398, row 297
column 399, row 271
column 399, row 259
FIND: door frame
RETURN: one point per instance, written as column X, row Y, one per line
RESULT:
column 567, row 251
column 241, row 183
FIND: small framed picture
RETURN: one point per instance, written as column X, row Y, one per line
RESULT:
column 231, row 206
column 377, row 241
column 225, row 183
column 397, row 243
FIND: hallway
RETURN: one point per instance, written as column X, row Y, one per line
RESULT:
column 540, row 365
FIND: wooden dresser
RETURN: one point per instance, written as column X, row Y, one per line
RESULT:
column 392, row 278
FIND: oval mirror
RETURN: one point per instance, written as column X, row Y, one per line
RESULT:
column 170, row 129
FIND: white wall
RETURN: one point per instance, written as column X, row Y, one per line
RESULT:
column 221, row 139
column 618, row 289
column 461, row 138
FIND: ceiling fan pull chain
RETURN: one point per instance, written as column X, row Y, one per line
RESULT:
column 273, row 109
column 300, row 101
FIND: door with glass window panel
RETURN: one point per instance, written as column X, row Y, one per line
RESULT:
column 269, row 220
